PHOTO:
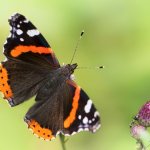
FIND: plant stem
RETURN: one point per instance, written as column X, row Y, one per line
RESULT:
column 62, row 140
column 141, row 145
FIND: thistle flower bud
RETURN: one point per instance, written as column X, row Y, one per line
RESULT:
column 137, row 131
column 143, row 116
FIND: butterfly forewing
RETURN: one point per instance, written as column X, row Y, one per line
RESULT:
column 24, row 38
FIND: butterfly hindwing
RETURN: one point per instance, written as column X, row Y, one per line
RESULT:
column 67, row 111
column 47, row 113
column 26, row 39
column 83, row 115
column 20, row 81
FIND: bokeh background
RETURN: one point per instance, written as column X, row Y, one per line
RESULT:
column 117, row 35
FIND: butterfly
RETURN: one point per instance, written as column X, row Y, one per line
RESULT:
column 32, row 69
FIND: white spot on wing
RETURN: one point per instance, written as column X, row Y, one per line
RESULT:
column 21, row 39
column 88, row 106
column 96, row 128
column 80, row 129
column 58, row 132
column 9, row 35
column 5, row 42
column 18, row 25
column 72, row 77
column 5, row 59
column 83, row 126
column 79, row 117
column 96, row 114
column 10, row 28
column 33, row 32
column 30, row 130
column 73, row 133
column 41, row 138
column 85, row 120
column 19, row 32
column 36, row 135
column 26, row 21
column 90, row 121
column 52, row 138
column 13, row 14
column 86, row 129
column 67, row 134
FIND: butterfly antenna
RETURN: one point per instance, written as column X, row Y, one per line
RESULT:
column 77, row 46
column 98, row 67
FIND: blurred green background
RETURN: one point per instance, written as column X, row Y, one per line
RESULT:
column 117, row 35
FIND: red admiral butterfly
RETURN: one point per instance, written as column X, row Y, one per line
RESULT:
column 31, row 68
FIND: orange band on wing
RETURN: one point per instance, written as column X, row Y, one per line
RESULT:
column 17, row 51
column 72, row 116
column 4, row 86
column 44, row 133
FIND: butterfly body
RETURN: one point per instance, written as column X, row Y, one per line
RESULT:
column 32, row 69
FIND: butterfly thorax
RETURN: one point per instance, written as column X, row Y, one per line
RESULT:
column 56, row 79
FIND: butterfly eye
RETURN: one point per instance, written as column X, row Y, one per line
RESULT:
column 74, row 66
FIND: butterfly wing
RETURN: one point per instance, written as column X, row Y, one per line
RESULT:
column 25, row 42
column 29, row 59
column 20, row 81
column 83, row 115
column 45, row 117
column 68, row 110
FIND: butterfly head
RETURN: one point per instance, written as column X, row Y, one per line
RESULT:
column 69, row 69
column 72, row 66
